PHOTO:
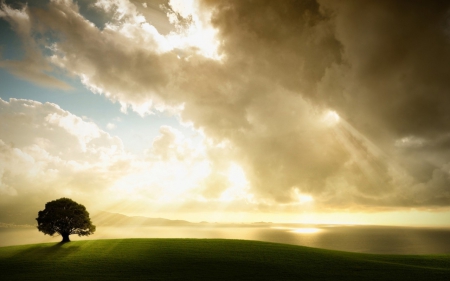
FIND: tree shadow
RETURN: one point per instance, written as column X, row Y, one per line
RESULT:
column 45, row 251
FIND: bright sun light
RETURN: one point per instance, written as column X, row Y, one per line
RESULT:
column 305, row 198
column 331, row 118
column 300, row 230
column 306, row 230
column 236, row 175
column 302, row 197
column 198, row 34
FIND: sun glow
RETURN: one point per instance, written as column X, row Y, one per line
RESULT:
column 306, row 230
column 238, row 184
column 331, row 118
column 300, row 230
column 302, row 198
column 305, row 198
column 236, row 175
column 197, row 34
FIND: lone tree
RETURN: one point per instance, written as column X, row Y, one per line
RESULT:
column 65, row 217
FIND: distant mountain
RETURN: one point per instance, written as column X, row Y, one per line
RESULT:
column 115, row 219
column 102, row 218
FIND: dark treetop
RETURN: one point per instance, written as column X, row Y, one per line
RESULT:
column 65, row 217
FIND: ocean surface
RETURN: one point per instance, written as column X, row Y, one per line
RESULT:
column 364, row 239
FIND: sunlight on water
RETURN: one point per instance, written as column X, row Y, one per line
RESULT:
column 306, row 230
column 300, row 230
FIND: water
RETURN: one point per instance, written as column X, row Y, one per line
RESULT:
column 364, row 239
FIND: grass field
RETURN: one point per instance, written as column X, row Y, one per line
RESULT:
column 208, row 259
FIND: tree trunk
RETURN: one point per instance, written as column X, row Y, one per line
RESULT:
column 65, row 237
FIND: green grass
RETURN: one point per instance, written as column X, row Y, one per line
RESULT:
column 208, row 259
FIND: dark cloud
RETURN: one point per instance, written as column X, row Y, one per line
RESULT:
column 290, row 41
column 382, row 65
column 396, row 69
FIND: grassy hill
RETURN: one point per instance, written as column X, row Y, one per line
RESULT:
column 208, row 259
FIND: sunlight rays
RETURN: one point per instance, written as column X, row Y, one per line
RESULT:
column 373, row 172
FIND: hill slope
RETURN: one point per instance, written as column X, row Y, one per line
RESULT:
column 204, row 259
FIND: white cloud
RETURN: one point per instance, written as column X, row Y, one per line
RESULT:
column 46, row 150
column 110, row 126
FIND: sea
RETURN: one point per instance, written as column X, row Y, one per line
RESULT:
column 351, row 238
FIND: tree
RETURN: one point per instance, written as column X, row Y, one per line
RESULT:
column 65, row 217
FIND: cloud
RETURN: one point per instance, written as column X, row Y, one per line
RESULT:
column 48, row 152
column 34, row 66
column 262, row 94
column 395, row 68
column 110, row 126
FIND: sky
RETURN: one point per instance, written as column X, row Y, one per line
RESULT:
column 313, row 111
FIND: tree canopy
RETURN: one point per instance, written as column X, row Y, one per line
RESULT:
column 65, row 217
